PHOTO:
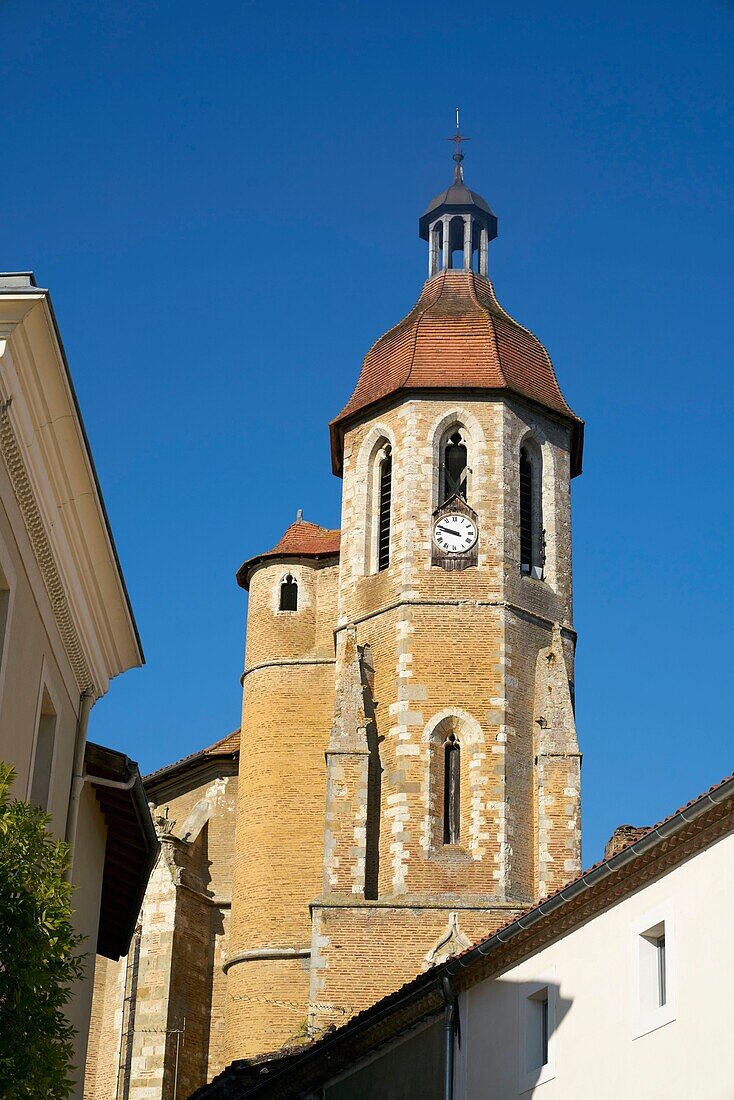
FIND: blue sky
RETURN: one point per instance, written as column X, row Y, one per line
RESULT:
column 223, row 200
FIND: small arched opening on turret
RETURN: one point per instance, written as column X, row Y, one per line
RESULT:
column 530, row 477
column 288, row 594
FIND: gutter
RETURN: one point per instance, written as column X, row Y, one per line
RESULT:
column 220, row 1089
column 131, row 786
column 78, row 778
column 449, row 1030
column 580, row 886
column 436, row 981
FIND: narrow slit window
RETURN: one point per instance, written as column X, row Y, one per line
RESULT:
column 289, row 594
column 383, row 519
column 44, row 755
column 455, row 468
column 451, row 790
column 662, row 982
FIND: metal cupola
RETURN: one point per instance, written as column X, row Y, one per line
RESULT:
column 458, row 220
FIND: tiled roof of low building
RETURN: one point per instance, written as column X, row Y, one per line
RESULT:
column 457, row 336
column 226, row 746
column 301, row 540
column 659, row 849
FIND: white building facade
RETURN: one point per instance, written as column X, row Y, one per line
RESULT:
column 66, row 629
column 633, row 1002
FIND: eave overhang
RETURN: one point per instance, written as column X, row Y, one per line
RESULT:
column 131, row 847
column 341, row 425
column 52, row 472
column 245, row 571
column 302, row 541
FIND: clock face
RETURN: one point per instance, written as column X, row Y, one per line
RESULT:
column 454, row 533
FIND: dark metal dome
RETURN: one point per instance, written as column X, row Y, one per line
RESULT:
column 458, row 194
column 458, row 199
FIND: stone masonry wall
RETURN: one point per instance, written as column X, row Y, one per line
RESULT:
column 172, row 978
column 451, row 652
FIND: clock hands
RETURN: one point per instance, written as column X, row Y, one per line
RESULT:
column 449, row 531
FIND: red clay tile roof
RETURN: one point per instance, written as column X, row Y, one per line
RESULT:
column 457, row 336
column 227, row 746
column 230, row 743
column 301, row 540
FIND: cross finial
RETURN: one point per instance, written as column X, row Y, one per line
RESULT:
column 458, row 156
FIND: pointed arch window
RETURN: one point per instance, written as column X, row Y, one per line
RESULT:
column 451, row 789
column 289, row 594
column 384, row 510
column 454, row 466
column 531, row 523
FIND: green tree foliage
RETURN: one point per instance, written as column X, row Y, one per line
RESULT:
column 39, row 958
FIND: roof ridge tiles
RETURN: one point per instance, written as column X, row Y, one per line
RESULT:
column 423, row 312
column 492, row 329
column 524, row 328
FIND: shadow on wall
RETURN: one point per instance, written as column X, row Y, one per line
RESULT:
column 505, row 1048
column 509, row 1037
column 374, row 775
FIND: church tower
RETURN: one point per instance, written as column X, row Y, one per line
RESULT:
column 409, row 770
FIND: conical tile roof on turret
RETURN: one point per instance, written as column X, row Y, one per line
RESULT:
column 457, row 336
column 301, row 540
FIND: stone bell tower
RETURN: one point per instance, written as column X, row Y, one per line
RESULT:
column 409, row 771
column 452, row 764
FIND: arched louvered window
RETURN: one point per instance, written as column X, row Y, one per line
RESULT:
column 531, row 523
column 454, row 467
column 451, row 789
column 288, row 594
column 383, row 518
column 526, row 512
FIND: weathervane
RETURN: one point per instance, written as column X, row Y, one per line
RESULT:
column 457, row 139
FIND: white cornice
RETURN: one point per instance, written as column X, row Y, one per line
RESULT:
column 51, row 472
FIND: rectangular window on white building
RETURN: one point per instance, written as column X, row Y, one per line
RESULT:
column 43, row 756
column 651, row 948
column 653, row 959
column 537, row 1034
